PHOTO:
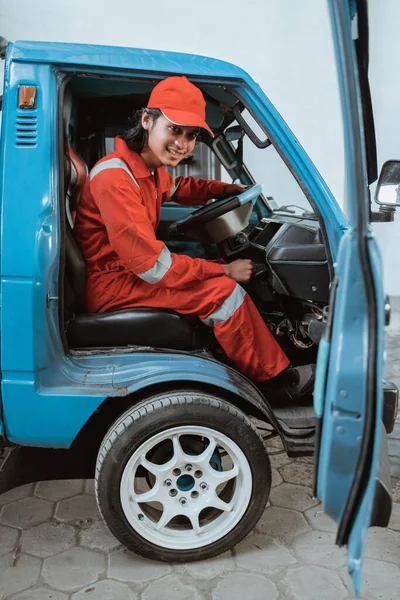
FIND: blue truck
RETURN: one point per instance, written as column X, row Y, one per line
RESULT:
column 144, row 400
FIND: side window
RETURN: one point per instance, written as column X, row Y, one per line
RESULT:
column 201, row 164
column 110, row 134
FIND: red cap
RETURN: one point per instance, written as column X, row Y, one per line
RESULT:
column 181, row 102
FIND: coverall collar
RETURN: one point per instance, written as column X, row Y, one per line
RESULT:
column 134, row 161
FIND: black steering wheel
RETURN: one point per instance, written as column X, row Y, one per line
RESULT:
column 212, row 211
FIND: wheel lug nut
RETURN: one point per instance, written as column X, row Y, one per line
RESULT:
column 188, row 467
column 176, row 472
column 194, row 494
column 183, row 501
column 167, row 482
column 203, row 486
column 173, row 492
column 198, row 474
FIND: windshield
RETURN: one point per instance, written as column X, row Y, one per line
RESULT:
column 281, row 192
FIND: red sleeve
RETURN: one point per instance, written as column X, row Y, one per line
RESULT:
column 132, row 237
column 194, row 192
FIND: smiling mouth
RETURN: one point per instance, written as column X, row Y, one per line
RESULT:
column 175, row 154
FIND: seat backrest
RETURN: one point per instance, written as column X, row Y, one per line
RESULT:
column 75, row 273
column 75, row 171
column 78, row 172
column 75, row 174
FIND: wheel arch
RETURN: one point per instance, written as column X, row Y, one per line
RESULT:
column 247, row 398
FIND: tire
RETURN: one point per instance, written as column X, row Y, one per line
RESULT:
column 203, row 467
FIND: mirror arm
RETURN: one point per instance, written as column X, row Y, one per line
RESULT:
column 215, row 146
column 385, row 214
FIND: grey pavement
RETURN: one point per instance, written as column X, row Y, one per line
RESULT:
column 392, row 373
column 54, row 545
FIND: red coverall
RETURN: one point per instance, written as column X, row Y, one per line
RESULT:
column 115, row 225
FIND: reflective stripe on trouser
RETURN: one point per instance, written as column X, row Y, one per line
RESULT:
column 227, row 308
column 218, row 301
column 249, row 343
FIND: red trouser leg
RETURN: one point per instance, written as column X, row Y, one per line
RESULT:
column 248, row 342
column 219, row 302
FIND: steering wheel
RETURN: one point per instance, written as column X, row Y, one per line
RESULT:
column 194, row 223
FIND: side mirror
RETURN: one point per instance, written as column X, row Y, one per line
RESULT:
column 387, row 192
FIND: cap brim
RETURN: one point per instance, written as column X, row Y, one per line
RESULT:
column 186, row 119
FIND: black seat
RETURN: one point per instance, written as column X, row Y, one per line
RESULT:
column 162, row 328
column 159, row 328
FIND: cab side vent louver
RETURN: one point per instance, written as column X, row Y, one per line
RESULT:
column 26, row 130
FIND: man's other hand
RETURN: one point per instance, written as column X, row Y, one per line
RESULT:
column 234, row 189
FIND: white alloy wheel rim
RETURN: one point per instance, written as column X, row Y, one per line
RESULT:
column 203, row 491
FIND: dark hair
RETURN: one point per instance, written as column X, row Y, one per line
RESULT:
column 136, row 137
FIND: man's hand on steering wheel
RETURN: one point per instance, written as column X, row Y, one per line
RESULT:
column 240, row 270
column 233, row 189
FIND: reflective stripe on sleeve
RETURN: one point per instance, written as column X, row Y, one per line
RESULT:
column 112, row 163
column 162, row 265
column 175, row 187
column 228, row 308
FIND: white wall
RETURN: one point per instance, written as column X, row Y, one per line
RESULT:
column 285, row 45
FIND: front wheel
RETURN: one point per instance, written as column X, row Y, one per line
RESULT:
column 183, row 476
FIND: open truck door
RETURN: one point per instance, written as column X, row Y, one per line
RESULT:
column 352, row 471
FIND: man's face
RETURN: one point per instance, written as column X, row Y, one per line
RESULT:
column 168, row 143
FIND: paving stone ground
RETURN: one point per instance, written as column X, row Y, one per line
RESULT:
column 54, row 545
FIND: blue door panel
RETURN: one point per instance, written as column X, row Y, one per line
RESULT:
column 356, row 544
column 345, row 391
column 17, row 352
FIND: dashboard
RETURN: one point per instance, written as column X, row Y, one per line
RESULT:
column 292, row 252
